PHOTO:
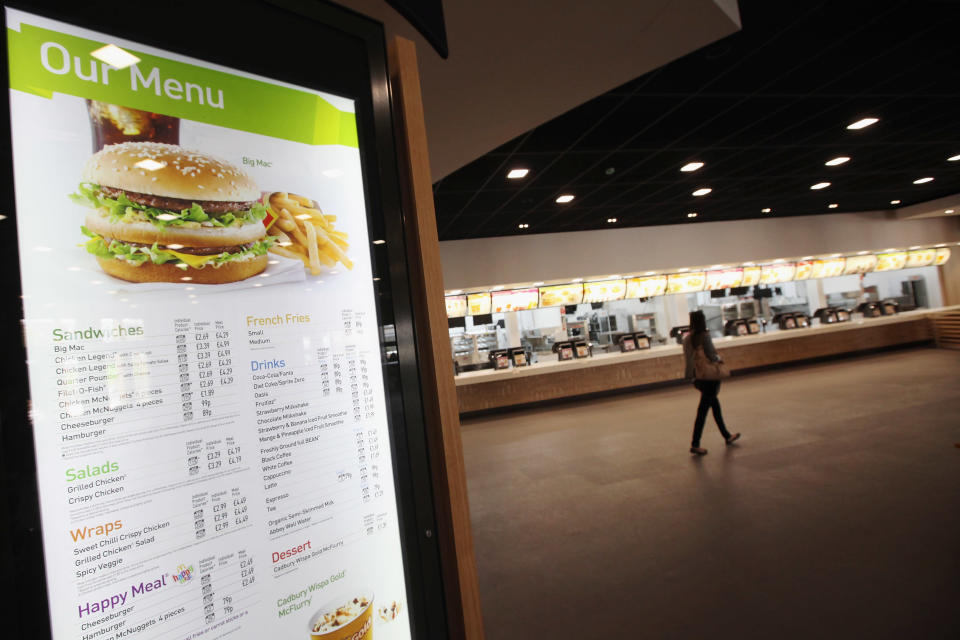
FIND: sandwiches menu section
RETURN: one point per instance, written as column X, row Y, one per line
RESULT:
column 208, row 406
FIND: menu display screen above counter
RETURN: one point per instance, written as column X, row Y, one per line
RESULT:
column 724, row 279
column 478, row 304
column 456, row 306
column 515, row 300
column 828, row 268
column 777, row 273
column 604, row 290
column 751, row 277
column 686, row 282
column 891, row 261
column 646, row 287
column 804, row 270
column 555, row 296
column 860, row 264
column 209, row 411
column 921, row 258
column 943, row 254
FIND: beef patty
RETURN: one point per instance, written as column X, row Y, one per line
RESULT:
column 177, row 204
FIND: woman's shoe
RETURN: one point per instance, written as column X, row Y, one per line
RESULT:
column 700, row 451
column 733, row 438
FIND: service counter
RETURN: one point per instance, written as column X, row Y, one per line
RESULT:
column 493, row 389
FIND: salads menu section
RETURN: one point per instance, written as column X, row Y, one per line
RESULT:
column 208, row 403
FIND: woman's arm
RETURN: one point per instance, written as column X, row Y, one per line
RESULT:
column 709, row 349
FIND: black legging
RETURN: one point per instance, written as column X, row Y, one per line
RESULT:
column 709, row 389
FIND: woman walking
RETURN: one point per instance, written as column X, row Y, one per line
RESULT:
column 704, row 367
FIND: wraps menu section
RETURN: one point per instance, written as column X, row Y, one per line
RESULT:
column 208, row 404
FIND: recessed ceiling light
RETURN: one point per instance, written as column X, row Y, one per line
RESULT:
column 499, row 287
column 523, row 225
column 862, row 253
column 948, row 211
column 861, row 124
column 837, row 160
column 115, row 56
column 894, row 202
column 565, row 198
column 807, row 258
column 692, row 214
column 578, row 280
column 766, row 210
column 379, row 242
column 832, row 205
column 942, row 244
column 455, row 292
column 614, row 276
column 748, row 264
column 610, row 171
column 891, row 249
column 516, row 174
column 702, row 191
column 537, row 284
column 649, row 273
column 611, row 220
column 691, row 166
column 954, row 158
column 684, row 270
column 718, row 266
column 914, row 247
column 923, row 180
column 820, row 185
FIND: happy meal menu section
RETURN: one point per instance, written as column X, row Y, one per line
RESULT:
column 202, row 458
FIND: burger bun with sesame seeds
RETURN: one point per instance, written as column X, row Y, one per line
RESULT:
column 161, row 213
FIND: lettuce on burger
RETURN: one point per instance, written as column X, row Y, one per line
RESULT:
column 161, row 213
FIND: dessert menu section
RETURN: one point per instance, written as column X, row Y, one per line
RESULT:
column 207, row 397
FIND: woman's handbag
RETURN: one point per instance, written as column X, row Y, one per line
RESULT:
column 706, row 369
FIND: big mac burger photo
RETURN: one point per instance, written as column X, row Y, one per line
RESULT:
column 161, row 213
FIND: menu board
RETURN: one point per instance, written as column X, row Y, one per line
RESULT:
column 829, row 268
column 804, row 270
column 555, row 296
column 478, row 303
column 456, row 306
column 921, row 258
column 891, row 261
column 604, row 290
column 208, row 405
column 647, row 287
column 751, row 277
column 777, row 273
column 943, row 254
column 860, row 264
column 515, row 300
column 724, row 279
column 686, row 282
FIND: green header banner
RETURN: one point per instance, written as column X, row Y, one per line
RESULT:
column 44, row 62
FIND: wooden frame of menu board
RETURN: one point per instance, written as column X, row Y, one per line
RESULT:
column 303, row 31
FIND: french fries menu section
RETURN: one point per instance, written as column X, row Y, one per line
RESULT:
column 208, row 405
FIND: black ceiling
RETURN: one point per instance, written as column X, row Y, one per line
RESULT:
column 764, row 109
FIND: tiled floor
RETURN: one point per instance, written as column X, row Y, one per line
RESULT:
column 837, row 516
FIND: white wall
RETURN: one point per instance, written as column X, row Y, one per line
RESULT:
column 585, row 254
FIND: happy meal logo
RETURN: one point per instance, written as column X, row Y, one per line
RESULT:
column 183, row 574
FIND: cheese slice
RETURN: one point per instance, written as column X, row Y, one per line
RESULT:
column 194, row 261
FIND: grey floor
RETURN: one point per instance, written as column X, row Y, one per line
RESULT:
column 838, row 515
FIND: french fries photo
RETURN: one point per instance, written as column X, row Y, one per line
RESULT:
column 303, row 232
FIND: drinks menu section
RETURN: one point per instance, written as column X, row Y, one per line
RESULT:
column 210, row 416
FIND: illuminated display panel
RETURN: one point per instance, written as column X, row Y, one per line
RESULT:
column 751, row 276
column 891, row 261
column 478, row 304
column 686, row 282
column 804, row 270
column 604, row 290
column 724, row 279
column 777, row 273
column 557, row 295
column 828, row 268
column 921, row 258
column 515, row 300
column 211, row 413
column 943, row 254
column 646, row 287
column 860, row 264
column 456, row 306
